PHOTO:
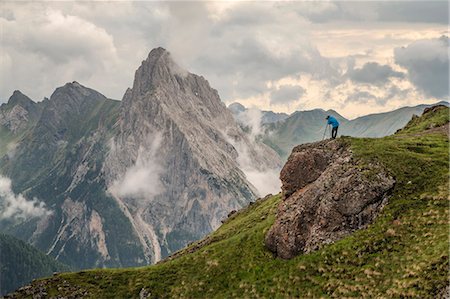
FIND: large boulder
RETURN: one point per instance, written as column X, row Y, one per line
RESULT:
column 327, row 196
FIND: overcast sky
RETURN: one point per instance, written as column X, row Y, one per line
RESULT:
column 354, row 57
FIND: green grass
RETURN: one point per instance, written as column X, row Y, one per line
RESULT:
column 426, row 121
column 404, row 253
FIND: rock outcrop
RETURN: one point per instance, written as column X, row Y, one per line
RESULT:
column 327, row 196
column 434, row 109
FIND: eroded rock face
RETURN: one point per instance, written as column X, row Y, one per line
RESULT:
column 173, row 125
column 306, row 163
column 18, row 112
column 327, row 197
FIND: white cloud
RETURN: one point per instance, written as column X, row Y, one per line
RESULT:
column 243, row 48
column 14, row 206
column 251, row 118
column 264, row 179
column 286, row 94
column 373, row 73
column 59, row 48
column 427, row 62
column 380, row 11
column 142, row 180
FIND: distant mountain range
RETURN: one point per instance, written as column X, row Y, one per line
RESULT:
column 309, row 126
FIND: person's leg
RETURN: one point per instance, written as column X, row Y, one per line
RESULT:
column 334, row 133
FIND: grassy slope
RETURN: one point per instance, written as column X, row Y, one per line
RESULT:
column 404, row 253
column 21, row 262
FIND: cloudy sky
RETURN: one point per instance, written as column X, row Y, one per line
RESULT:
column 354, row 57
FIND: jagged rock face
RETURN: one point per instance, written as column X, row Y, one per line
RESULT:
column 327, row 197
column 176, row 135
column 59, row 162
column 17, row 114
column 14, row 119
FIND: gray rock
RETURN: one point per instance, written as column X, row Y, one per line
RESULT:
column 173, row 121
column 144, row 293
column 328, row 196
column 19, row 112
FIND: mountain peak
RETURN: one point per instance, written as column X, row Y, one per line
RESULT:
column 158, row 52
column 17, row 93
column 73, row 97
column 73, row 84
column 159, row 68
column 159, row 57
column 18, row 112
column 71, row 88
column 18, row 98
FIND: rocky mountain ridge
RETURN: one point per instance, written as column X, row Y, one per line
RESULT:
column 129, row 182
column 19, row 112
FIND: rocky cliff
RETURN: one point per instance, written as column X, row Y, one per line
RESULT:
column 57, row 161
column 19, row 112
column 327, row 195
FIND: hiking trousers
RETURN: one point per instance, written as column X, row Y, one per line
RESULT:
column 334, row 132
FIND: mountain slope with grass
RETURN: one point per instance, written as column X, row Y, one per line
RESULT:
column 309, row 126
column 404, row 252
column 20, row 263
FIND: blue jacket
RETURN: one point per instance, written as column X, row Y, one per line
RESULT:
column 333, row 122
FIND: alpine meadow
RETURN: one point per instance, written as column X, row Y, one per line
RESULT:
column 224, row 149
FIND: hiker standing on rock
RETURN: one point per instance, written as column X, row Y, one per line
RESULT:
column 334, row 124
